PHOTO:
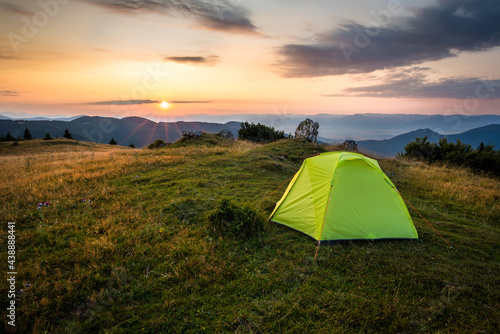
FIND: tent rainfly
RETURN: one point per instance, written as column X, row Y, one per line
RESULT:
column 344, row 196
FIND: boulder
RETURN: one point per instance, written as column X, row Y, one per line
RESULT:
column 350, row 145
column 308, row 129
column 191, row 134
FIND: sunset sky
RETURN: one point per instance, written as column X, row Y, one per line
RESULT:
column 125, row 57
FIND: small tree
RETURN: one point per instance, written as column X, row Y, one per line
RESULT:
column 27, row 134
column 420, row 149
column 47, row 136
column 67, row 135
column 9, row 137
column 131, row 145
column 112, row 141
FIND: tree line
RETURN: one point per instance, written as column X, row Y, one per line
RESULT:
column 27, row 136
column 483, row 158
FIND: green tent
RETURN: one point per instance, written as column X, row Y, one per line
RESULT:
column 344, row 196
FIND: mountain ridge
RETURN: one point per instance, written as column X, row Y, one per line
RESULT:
column 142, row 131
column 336, row 127
column 489, row 134
column 136, row 130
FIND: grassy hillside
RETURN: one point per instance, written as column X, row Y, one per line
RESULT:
column 141, row 258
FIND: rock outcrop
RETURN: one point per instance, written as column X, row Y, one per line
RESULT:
column 308, row 129
column 350, row 145
column 191, row 134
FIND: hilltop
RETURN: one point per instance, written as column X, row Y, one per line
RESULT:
column 125, row 247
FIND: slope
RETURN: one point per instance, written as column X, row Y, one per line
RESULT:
column 140, row 256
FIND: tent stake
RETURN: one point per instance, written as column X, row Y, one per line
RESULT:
column 317, row 248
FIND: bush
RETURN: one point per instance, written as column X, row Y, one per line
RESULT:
column 157, row 144
column 235, row 220
column 484, row 158
column 259, row 133
column 112, row 141
column 47, row 136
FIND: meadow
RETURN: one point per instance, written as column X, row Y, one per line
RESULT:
column 124, row 245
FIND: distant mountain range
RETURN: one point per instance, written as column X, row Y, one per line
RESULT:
column 141, row 131
column 489, row 134
column 337, row 128
column 136, row 130
column 333, row 128
column 35, row 117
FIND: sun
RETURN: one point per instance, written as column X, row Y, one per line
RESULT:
column 164, row 105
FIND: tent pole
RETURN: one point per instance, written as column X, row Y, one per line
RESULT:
column 324, row 219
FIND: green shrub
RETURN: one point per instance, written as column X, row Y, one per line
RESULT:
column 157, row 144
column 484, row 158
column 236, row 220
column 259, row 133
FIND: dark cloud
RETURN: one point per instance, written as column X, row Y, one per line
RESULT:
column 14, row 8
column 4, row 57
column 189, row 101
column 416, row 85
column 8, row 93
column 221, row 15
column 209, row 61
column 122, row 102
column 431, row 33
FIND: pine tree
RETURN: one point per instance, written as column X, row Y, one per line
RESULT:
column 27, row 134
column 112, row 141
column 9, row 137
column 47, row 136
column 131, row 145
column 67, row 135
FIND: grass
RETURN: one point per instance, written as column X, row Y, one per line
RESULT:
column 140, row 258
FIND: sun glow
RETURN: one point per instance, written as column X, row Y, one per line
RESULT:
column 164, row 105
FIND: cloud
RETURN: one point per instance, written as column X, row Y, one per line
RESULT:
column 4, row 57
column 9, row 93
column 14, row 8
column 189, row 101
column 222, row 15
column 416, row 85
column 122, row 102
column 440, row 31
column 209, row 61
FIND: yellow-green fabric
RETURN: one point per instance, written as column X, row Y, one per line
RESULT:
column 344, row 196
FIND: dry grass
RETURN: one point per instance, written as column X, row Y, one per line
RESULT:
column 459, row 189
